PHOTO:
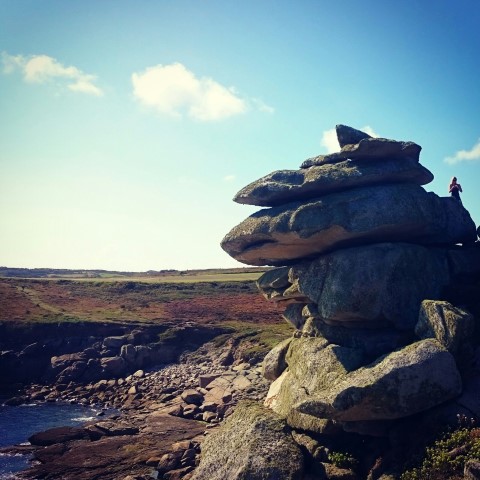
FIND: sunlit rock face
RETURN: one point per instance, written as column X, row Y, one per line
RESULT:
column 284, row 186
column 363, row 215
column 364, row 259
column 253, row 444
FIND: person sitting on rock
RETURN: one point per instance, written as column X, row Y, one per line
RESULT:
column 455, row 188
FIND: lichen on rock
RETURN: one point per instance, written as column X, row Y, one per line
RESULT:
column 252, row 444
column 366, row 260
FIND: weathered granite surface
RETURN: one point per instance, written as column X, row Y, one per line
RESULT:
column 286, row 186
column 400, row 384
column 359, row 245
column 367, row 149
column 253, row 444
column 368, row 263
column 383, row 213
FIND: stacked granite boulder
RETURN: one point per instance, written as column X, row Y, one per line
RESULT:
column 363, row 256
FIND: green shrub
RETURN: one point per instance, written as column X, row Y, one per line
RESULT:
column 343, row 460
column 448, row 455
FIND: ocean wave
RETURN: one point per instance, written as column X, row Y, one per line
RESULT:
column 83, row 419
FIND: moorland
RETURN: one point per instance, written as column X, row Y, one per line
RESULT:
column 90, row 337
column 46, row 295
column 48, row 304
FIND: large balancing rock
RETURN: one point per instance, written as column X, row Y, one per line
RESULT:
column 252, row 444
column 402, row 212
column 373, row 285
column 284, row 186
column 408, row 381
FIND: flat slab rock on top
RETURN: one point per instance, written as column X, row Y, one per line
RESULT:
column 368, row 148
column 347, row 135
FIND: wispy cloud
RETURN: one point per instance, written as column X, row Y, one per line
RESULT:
column 370, row 131
column 330, row 141
column 262, row 106
column 229, row 178
column 174, row 90
column 472, row 155
column 43, row 69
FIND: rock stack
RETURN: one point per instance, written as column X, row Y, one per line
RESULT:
column 363, row 257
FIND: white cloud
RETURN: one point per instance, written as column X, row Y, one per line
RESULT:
column 174, row 90
column 11, row 62
column 229, row 178
column 85, row 85
column 471, row 155
column 43, row 69
column 215, row 102
column 330, row 141
column 262, row 106
column 370, row 131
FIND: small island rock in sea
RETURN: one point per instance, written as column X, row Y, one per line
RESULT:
column 372, row 272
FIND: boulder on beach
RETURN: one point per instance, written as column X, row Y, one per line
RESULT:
column 374, row 342
column 465, row 262
column 293, row 314
column 113, row 366
column 72, row 373
column 58, row 435
column 60, row 362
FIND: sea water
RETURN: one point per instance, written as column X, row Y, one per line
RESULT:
column 19, row 423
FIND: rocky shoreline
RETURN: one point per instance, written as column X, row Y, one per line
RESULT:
column 164, row 415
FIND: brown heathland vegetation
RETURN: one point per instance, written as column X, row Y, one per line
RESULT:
column 135, row 300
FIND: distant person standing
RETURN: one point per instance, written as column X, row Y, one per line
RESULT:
column 455, row 188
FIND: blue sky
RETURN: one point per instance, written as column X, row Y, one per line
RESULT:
column 126, row 127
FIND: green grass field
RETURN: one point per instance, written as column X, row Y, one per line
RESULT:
column 170, row 276
column 187, row 278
